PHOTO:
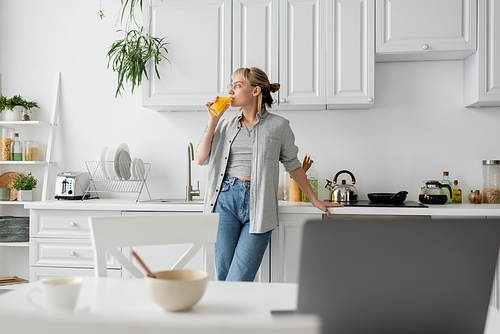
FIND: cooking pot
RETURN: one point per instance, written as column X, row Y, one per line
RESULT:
column 343, row 192
column 388, row 198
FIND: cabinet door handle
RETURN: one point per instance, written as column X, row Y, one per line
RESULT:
column 370, row 99
column 425, row 46
column 72, row 224
column 72, row 253
column 282, row 100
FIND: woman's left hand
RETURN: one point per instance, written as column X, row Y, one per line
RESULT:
column 323, row 206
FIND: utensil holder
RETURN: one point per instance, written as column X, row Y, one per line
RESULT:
column 295, row 191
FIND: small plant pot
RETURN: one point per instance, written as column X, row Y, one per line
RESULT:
column 24, row 195
column 13, row 115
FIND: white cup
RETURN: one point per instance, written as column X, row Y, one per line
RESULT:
column 59, row 294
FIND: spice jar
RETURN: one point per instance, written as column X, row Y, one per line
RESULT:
column 478, row 198
column 6, row 141
column 31, row 151
column 491, row 181
column 471, row 196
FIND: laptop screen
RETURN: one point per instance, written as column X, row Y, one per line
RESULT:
column 399, row 276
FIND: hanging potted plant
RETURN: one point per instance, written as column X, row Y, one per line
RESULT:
column 24, row 185
column 130, row 55
column 17, row 108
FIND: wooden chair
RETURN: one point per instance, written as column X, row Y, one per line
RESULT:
column 109, row 234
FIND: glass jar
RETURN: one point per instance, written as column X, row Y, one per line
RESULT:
column 6, row 141
column 30, row 151
column 16, row 149
column 491, row 181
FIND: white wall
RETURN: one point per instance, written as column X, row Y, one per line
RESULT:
column 417, row 129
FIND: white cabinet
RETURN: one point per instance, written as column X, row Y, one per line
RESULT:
column 302, row 54
column 286, row 245
column 199, row 50
column 60, row 244
column 289, row 39
column 350, row 64
column 255, row 35
column 482, row 69
column 425, row 29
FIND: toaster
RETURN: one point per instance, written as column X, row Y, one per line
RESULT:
column 72, row 185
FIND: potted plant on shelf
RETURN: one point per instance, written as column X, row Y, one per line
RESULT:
column 24, row 185
column 17, row 108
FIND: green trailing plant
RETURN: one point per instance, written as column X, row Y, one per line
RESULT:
column 24, row 182
column 130, row 55
column 16, row 100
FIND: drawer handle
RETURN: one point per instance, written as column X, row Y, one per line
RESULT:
column 72, row 253
column 72, row 224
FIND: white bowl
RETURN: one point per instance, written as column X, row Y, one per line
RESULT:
column 177, row 290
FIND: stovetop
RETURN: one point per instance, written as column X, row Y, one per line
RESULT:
column 405, row 204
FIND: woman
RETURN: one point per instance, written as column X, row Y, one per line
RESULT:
column 242, row 181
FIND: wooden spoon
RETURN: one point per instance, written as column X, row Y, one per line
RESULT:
column 307, row 163
column 150, row 274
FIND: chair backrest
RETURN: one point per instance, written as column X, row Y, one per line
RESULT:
column 109, row 234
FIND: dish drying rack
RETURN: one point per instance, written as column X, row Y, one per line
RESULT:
column 104, row 179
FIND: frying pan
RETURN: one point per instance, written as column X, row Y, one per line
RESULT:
column 388, row 198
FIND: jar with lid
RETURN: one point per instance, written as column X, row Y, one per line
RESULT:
column 478, row 198
column 5, row 142
column 31, row 151
column 491, row 181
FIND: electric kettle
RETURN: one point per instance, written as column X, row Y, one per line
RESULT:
column 343, row 192
column 432, row 193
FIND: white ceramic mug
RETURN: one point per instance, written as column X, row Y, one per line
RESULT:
column 59, row 294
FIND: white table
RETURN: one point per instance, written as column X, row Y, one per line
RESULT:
column 122, row 306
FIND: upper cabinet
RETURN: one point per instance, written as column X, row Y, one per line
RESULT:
column 350, row 61
column 285, row 38
column 482, row 69
column 317, row 63
column 425, row 29
column 199, row 50
column 302, row 54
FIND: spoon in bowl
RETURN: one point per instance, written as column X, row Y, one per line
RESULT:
column 149, row 273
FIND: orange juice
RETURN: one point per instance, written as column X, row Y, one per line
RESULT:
column 219, row 105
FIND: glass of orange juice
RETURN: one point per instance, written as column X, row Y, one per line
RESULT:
column 219, row 105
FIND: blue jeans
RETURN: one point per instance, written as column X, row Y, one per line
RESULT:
column 238, row 253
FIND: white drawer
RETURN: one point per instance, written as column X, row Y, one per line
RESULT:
column 63, row 223
column 39, row 273
column 76, row 253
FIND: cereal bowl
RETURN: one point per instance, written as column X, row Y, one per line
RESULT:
column 177, row 290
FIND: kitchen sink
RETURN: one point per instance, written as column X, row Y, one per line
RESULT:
column 172, row 201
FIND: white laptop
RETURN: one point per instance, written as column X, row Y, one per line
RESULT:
column 399, row 276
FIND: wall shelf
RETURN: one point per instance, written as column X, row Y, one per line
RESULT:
column 14, row 244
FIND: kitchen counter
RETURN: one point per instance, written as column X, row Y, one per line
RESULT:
column 465, row 209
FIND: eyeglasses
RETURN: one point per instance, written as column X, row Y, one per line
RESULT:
column 235, row 86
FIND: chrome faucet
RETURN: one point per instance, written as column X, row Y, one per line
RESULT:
column 189, row 189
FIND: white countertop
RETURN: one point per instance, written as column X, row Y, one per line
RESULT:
column 464, row 210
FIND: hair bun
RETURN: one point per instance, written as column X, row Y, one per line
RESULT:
column 274, row 87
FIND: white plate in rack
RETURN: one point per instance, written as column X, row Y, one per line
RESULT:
column 133, row 169
column 125, row 162
column 110, row 156
column 103, row 162
column 119, row 149
column 140, row 169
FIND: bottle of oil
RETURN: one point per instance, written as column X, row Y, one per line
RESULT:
column 446, row 180
column 456, row 192
column 312, row 177
column 16, row 149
